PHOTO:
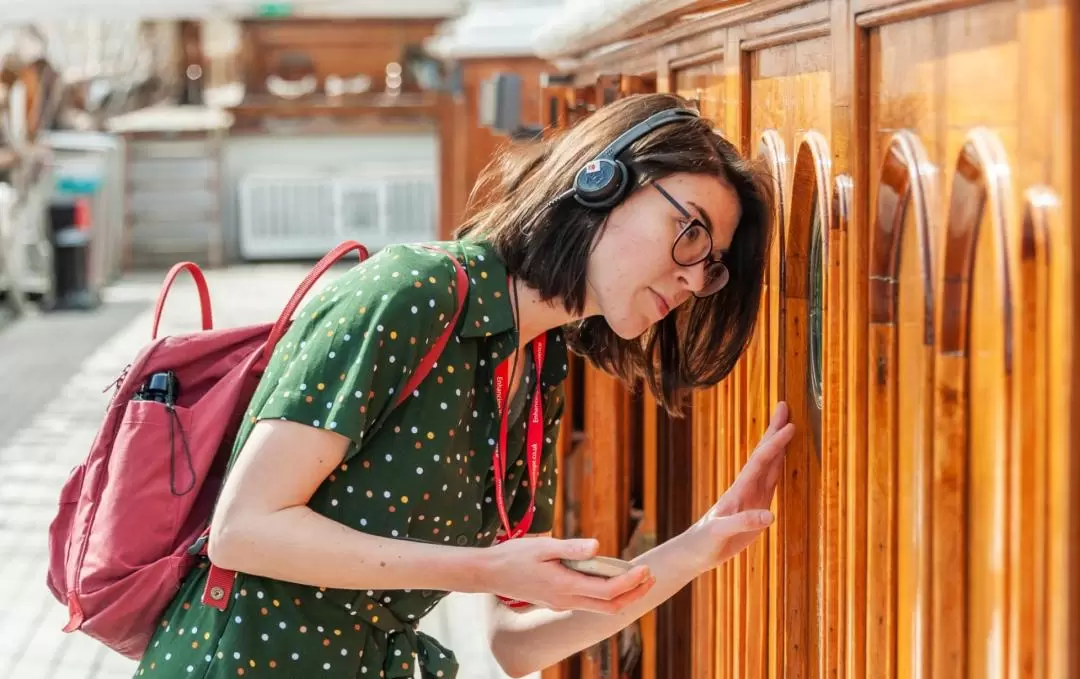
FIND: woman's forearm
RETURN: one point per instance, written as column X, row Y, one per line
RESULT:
column 535, row 639
column 298, row 545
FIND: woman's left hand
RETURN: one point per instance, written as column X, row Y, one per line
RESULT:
column 742, row 512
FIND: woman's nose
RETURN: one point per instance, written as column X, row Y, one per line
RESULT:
column 693, row 278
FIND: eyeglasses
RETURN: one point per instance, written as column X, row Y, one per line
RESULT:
column 694, row 245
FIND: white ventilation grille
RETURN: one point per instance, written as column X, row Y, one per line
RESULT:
column 361, row 209
column 410, row 203
column 283, row 216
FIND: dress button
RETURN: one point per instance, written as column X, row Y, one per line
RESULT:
column 217, row 593
column 462, row 540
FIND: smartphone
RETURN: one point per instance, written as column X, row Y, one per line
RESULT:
column 600, row 566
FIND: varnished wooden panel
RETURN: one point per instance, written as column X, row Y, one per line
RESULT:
column 789, row 90
column 706, row 86
column 806, row 572
column 941, row 96
column 1029, row 487
column 990, row 373
column 969, row 464
column 1043, row 208
column 651, row 451
column 925, row 513
column 900, row 377
column 703, row 493
column 756, row 411
column 739, row 574
column 836, row 473
column 773, row 151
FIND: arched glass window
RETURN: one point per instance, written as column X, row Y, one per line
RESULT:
column 816, row 287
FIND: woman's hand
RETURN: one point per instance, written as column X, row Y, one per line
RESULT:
column 742, row 513
column 529, row 569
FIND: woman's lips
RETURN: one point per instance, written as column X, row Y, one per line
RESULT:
column 661, row 304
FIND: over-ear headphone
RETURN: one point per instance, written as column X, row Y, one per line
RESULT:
column 604, row 180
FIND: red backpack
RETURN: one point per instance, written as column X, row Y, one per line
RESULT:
column 134, row 516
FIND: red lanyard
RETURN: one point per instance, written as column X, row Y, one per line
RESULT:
column 534, row 438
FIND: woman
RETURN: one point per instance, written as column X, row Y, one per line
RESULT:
column 347, row 516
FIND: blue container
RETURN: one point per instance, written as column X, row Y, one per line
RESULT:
column 78, row 185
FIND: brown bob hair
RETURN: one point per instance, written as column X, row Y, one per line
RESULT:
column 546, row 241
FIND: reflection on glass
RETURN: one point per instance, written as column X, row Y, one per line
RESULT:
column 816, row 286
column 815, row 333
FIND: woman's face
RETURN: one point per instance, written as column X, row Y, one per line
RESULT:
column 633, row 281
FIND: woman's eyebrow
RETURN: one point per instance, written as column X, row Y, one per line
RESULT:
column 702, row 214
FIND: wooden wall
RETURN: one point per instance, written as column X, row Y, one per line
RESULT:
column 342, row 47
column 919, row 322
column 470, row 146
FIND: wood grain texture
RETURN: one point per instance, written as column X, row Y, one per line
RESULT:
column 835, row 407
column 927, row 514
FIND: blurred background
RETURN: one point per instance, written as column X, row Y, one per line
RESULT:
column 248, row 137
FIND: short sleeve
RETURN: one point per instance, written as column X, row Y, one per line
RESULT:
column 548, row 487
column 353, row 348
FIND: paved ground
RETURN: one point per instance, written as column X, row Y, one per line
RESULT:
column 53, row 370
column 39, row 354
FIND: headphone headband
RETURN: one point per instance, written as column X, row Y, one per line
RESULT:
column 604, row 180
column 624, row 140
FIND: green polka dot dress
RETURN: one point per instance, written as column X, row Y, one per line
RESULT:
column 420, row 471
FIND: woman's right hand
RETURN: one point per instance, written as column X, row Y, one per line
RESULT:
column 529, row 569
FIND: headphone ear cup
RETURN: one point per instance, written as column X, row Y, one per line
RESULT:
column 601, row 183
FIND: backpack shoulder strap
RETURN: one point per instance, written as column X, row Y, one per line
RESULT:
column 219, row 581
column 321, row 267
column 432, row 356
